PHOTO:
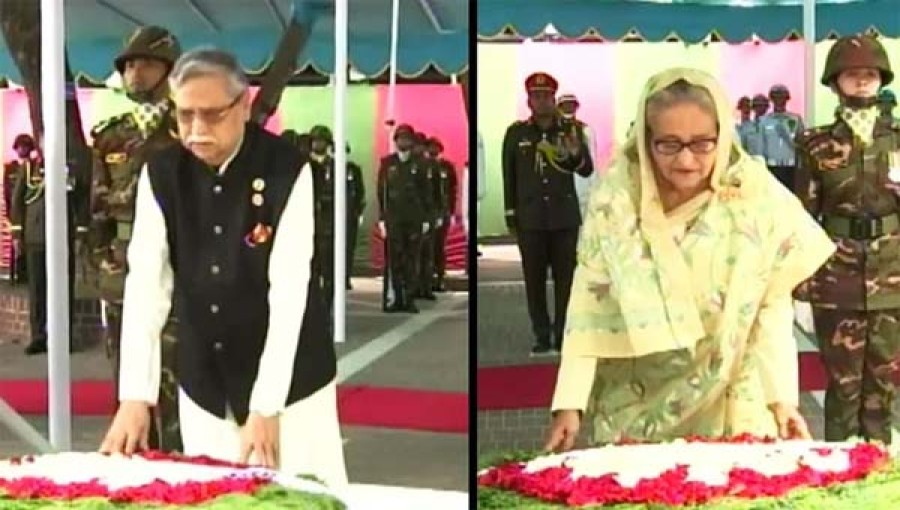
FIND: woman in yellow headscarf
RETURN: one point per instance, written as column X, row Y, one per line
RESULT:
column 681, row 318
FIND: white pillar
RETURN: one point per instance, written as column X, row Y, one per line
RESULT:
column 57, row 235
column 392, row 87
column 340, row 169
column 809, row 68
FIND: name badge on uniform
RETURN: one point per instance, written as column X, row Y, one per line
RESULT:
column 115, row 158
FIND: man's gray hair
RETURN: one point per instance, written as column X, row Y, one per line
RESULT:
column 209, row 61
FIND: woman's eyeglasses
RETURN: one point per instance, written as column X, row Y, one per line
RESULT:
column 700, row 146
column 206, row 115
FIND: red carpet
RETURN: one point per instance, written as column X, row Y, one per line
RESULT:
column 530, row 386
column 368, row 406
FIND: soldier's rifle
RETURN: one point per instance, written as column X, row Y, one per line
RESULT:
column 280, row 71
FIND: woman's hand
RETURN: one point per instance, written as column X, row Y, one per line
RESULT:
column 563, row 431
column 791, row 424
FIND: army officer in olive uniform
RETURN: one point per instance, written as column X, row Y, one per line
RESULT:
column 405, row 209
column 28, row 225
column 540, row 158
column 849, row 179
column 122, row 145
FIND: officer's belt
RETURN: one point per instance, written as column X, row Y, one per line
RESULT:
column 861, row 228
column 123, row 230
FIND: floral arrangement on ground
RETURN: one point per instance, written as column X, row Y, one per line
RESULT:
column 871, row 480
column 257, row 489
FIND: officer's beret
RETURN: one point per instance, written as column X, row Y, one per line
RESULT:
column 404, row 129
column 541, row 82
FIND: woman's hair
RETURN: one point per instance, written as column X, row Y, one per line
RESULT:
column 680, row 92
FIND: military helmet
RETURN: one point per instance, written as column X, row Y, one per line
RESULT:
column 887, row 96
column 743, row 102
column 149, row 42
column 24, row 140
column 853, row 52
column 760, row 99
column 779, row 88
column 404, row 129
column 321, row 132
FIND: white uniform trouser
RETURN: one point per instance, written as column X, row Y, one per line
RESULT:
column 310, row 440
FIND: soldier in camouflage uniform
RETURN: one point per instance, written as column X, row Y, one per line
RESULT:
column 849, row 179
column 445, row 202
column 122, row 146
column 405, row 213
column 887, row 101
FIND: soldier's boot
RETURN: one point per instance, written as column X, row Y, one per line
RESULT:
column 36, row 347
column 439, row 285
column 408, row 304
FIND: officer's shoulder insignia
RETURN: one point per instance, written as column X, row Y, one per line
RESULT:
column 106, row 125
column 115, row 158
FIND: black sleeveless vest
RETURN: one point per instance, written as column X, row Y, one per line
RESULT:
column 221, row 286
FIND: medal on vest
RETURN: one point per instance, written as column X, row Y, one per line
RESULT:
column 259, row 235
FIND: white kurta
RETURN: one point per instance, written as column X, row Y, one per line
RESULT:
column 310, row 432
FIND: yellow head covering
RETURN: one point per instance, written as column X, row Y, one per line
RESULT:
column 633, row 293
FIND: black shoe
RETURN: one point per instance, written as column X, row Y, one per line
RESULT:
column 349, row 285
column 392, row 309
column 428, row 296
column 439, row 287
column 36, row 347
column 540, row 350
column 411, row 308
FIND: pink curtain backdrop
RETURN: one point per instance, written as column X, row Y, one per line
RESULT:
column 591, row 80
column 749, row 68
column 436, row 110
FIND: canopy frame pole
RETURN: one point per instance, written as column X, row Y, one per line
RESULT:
column 341, row 69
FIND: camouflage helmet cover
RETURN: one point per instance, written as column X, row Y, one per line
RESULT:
column 149, row 42
column 321, row 132
column 855, row 52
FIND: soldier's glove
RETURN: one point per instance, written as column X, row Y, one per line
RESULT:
column 382, row 230
column 360, row 220
column 438, row 223
column 425, row 227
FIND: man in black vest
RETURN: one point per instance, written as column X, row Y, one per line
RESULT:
column 540, row 157
column 223, row 236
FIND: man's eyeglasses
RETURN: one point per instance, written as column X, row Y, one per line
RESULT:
column 700, row 146
column 206, row 115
